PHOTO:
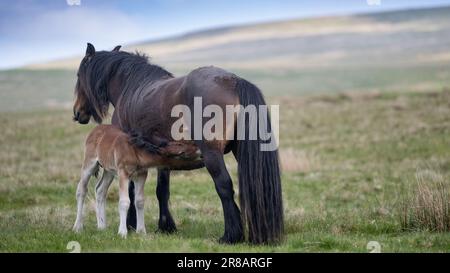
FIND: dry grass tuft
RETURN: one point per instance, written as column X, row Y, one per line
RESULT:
column 297, row 161
column 428, row 206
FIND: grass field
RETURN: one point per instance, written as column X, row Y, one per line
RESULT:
column 349, row 161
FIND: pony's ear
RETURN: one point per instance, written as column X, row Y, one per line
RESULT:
column 117, row 48
column 90, row 50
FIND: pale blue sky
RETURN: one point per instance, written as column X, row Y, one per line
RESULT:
column 34, row 31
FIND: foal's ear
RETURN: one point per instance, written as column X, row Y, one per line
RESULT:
column 117, row 48
column 90, row 50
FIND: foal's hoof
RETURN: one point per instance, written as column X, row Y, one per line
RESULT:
column 228, row 239
column 77, row 228
column 102, row 227
column 141, row 231
column 123, row 233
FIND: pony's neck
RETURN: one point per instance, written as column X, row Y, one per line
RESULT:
column 125, row 81
column 115, row 89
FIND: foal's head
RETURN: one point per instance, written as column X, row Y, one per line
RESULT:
column 91, row 99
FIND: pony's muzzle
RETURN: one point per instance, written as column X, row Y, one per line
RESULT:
column 81, row 119
column 76, row 116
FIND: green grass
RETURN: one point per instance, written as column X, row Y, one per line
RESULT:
column 25, row 90
column 360, row 153
column 349, row 78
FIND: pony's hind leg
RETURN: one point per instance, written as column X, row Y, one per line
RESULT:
column 86, row 172
column 215, row 164
column 139, row 202
column 124, row 202
column 101, row 190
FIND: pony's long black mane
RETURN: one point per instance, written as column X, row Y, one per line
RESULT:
column 134, row 70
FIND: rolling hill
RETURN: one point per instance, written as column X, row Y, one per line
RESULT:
column 390, row 51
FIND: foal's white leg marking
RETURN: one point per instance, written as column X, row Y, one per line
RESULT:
column 124, row 203
column 101, row 190
column 86, row 173
column 139, row 203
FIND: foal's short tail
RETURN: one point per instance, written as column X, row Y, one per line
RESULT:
column 259, row 178
column 139, row 140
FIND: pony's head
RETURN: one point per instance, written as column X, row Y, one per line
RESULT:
column 91, row 98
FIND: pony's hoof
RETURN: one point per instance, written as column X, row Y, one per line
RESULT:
column 167, row 226
column 227, row 239
column 167, row 230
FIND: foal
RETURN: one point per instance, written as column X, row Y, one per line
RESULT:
column 110, row 148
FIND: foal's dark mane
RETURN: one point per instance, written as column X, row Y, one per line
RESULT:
column 134, row 70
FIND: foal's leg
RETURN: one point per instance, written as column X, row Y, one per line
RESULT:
column 124, row 202
column 215, row 164
column 139, row 202
column 166, row 223
column 101, row 190
column 86, row 172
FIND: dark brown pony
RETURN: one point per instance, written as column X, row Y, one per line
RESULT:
column 143, row 96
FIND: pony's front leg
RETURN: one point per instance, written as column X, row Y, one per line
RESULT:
column 124, row 202
column 166, row 223
column 101, row 190
column 86, row 173
column 139, row 202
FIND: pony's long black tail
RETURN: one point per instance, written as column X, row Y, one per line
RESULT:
column 259, row 177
